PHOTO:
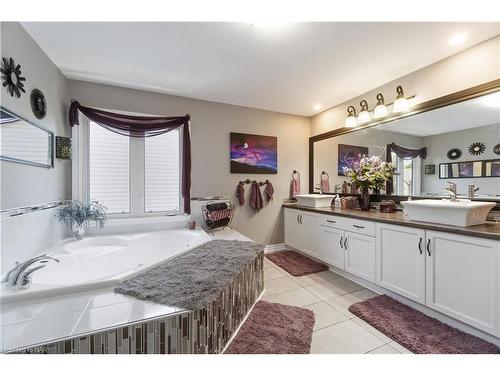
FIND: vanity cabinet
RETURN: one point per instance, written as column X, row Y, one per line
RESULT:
column 302, row 231
column 463, row 278
column 331, row 249
column 401, row 260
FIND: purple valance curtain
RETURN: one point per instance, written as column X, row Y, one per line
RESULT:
column 141, row 127
column 402, row 152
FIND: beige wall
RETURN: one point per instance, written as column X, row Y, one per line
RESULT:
column 211, row 124
column 468, row 68
column 25, row 184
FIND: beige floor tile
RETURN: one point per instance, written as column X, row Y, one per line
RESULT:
column 326, row 289
column 342, row 303
column 400, row 348
column 295, row 297
column 273, row 273
column 315, row 277
column 372, row 329
column 325, row 315
column 280, row 285
column 344, row 338
column 385, row 349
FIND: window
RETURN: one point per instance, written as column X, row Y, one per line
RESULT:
column 134, row 176
column 407, row 182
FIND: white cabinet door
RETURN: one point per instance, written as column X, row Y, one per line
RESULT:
column 463, row 279
column 331, row 246
column 401, row 260
column 293, row 229
column 360, row 256
column 311, row 232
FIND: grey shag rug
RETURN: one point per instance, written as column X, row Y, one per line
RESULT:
column 416, row 331
column 272, row 328
column 194, row 279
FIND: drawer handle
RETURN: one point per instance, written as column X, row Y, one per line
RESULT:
column 428, row 247
column 331, row 221
column 420, row 245
column 358, row 226
column 341, row 238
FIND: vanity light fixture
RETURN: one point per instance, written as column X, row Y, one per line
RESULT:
column 380, row 109
column 364, row 115
column 401, row 103
column 351, row 121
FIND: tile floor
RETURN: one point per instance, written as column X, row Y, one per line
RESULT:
column 329, row 295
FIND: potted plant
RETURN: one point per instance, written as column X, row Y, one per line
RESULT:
column 369, row 173
column 76, row 215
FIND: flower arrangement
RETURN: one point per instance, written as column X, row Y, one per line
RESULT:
column 370, row 172
column 77, row 215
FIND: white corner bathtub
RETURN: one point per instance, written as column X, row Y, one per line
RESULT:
column 104, row 261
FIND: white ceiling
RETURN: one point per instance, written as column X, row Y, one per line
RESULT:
column 286, row 68
column 465, row 115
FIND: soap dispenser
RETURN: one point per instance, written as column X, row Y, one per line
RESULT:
column 337, row 201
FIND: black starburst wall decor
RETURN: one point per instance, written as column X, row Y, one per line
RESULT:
column 477, row 148
column 496, row 149
column 11, row 77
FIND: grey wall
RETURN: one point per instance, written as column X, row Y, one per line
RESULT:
column 25, row 184
column 437, row 147
column 211, row 124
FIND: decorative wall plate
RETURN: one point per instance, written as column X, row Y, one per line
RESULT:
column 496, row 149
column 454, row 154
column 63, row 148
column 477, row 148
column 38, row 104
column 11, row 77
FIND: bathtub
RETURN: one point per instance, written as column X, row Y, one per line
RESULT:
column 99, row 261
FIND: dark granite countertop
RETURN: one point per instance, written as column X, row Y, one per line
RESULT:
column 489, row 230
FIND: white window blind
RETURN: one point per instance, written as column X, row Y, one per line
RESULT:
column 162, row 172
column 109, row 169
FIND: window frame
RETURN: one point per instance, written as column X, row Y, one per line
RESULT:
column 137, row 171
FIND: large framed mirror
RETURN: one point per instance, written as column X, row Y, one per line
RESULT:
column 23, row 142
column 454, row 138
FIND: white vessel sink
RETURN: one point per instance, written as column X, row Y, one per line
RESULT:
column 462, row 213
column 315, row 200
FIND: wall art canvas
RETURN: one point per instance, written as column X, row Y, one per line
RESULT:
column 348, row 155
column 251, row 153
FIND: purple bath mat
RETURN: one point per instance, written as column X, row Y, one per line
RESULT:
column 296, row 264
column 272, row 328
column 416, row 331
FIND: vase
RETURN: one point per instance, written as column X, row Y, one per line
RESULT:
column 78, row 231
column 364, row 199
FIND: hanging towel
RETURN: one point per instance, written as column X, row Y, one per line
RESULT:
column 325, row 184
column 255, row 197
column 269, row 192
column 240, row 194
column 294, row 187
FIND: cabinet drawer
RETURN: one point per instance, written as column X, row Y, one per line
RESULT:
column 360, row 226
column 333, row 221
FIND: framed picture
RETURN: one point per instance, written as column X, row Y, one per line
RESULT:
column 250, row 153
column 348, row 155
column 430, row 169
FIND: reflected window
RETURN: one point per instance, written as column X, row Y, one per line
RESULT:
column 407, row 182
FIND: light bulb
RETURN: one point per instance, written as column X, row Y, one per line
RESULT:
column 401, row 103
column 351, row 121
column 380, row 110
column 364, row 115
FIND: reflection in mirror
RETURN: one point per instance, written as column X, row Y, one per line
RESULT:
column 24, row 142
column 421, row 144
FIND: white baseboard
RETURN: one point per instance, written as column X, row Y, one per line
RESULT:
column 274, row 248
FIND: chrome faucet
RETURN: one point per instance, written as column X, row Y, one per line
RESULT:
column 320, row 188
column 20, row 275
column 471, row 190
column 338, row 188
column 452, row 190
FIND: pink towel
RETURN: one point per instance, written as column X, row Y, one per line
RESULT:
column 269, row 192
column 255, row 197
column 294, row 187
column 325, row 185
column 240, row 194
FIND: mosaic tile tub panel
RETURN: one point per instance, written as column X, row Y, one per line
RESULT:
column 205, row 331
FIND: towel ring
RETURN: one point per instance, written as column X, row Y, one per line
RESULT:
column 323, row 173
column 295, row 173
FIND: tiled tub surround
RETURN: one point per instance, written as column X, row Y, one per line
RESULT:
column 132, row 326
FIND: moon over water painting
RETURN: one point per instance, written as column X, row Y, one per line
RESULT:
column 251, row 153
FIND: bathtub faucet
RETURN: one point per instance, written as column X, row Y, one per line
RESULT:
column 20, row 275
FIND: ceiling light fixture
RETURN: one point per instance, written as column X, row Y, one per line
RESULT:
column 317, row 107
column 351, row 121
column 364, row 115
column 380, row 109
column 401, row 103
column 458, row 39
